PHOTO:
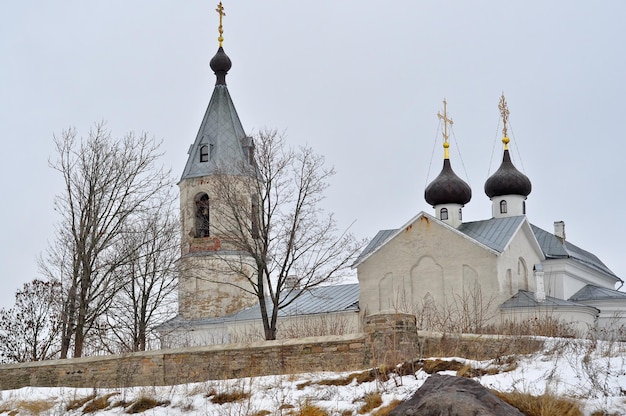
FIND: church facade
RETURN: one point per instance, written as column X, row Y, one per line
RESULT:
column 495, row 270
column 491, row 271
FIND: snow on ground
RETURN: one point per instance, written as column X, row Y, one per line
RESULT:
column 592, row 372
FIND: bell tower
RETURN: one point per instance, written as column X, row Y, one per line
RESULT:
column 220, row 172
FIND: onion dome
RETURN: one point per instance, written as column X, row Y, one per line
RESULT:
column 220, row 64
column 447, row 188
column 507, row 180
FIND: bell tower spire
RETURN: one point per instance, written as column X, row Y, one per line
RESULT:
column 221, row 154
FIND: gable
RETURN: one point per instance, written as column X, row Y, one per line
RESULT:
column 492, row 235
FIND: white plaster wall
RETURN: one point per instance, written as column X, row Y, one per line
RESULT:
column 339, row 323
column 612, row 317
column 565, row 277
column 426, row 257
column 515, row 205
column 516, row 262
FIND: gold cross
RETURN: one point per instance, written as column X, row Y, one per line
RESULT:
column 220, row 11
column 446, row 120
column 504, row 112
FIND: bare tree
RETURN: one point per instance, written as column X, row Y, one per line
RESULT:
column 107, row 182
column 30, row 331
column 282, row 226
column 147, row 297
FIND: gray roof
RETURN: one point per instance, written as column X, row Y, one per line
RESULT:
column 379, row 239
column 526, row 299
column 555, row 248
column 223, row 133
column 592, row 292
column 318, row 300
column 495, row 233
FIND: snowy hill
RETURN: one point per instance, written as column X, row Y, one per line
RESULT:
column 593, row 374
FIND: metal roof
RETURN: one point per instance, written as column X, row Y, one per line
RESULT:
column 495, row 233
column 318, row 300
column 379, row 239
column 222, row 132
column 592, row 292
column 555, row 248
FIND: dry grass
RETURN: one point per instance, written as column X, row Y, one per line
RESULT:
column 437, row 365
column 385, row 410
column 32, row 407
column 78, row 403
column 145, row 403
column 478, row 347
column 544, row 405
column 372, row 401
column 309, row 409
column 98, row 403
column 545, row 325
column 228, row 397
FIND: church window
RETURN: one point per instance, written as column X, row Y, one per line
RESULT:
column 524, row 207
column 443, row 214
column 204, row 153
column 202, row 215
column 460, row 214
column 503, row 207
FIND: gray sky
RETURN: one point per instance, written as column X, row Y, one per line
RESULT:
column 361, row 81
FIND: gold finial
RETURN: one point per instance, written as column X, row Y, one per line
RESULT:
column 220, row 11
column 504, row 112
column 446, row 120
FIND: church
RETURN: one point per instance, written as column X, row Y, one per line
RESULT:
column 492, row 271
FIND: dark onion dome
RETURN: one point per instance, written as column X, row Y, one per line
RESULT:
column 507, row 180
column 447, row 188
column 220, row 64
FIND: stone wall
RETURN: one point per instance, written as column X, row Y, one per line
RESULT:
column 389, row 339
column 185, row 365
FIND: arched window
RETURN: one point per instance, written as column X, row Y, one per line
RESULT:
column 460, row 214
column 503, row 207
column 524, row 207
column 202, row 215
column 204, row 153
column 443, row 214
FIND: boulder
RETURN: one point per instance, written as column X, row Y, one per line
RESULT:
column 454, row 396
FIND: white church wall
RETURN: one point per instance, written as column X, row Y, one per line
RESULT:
column 427, row 257
column 565, row 277
column 612, row 318
column 516, row 262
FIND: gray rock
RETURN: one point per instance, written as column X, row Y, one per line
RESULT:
column 454, row 396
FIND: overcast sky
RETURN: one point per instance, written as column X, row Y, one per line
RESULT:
column 360, row 81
